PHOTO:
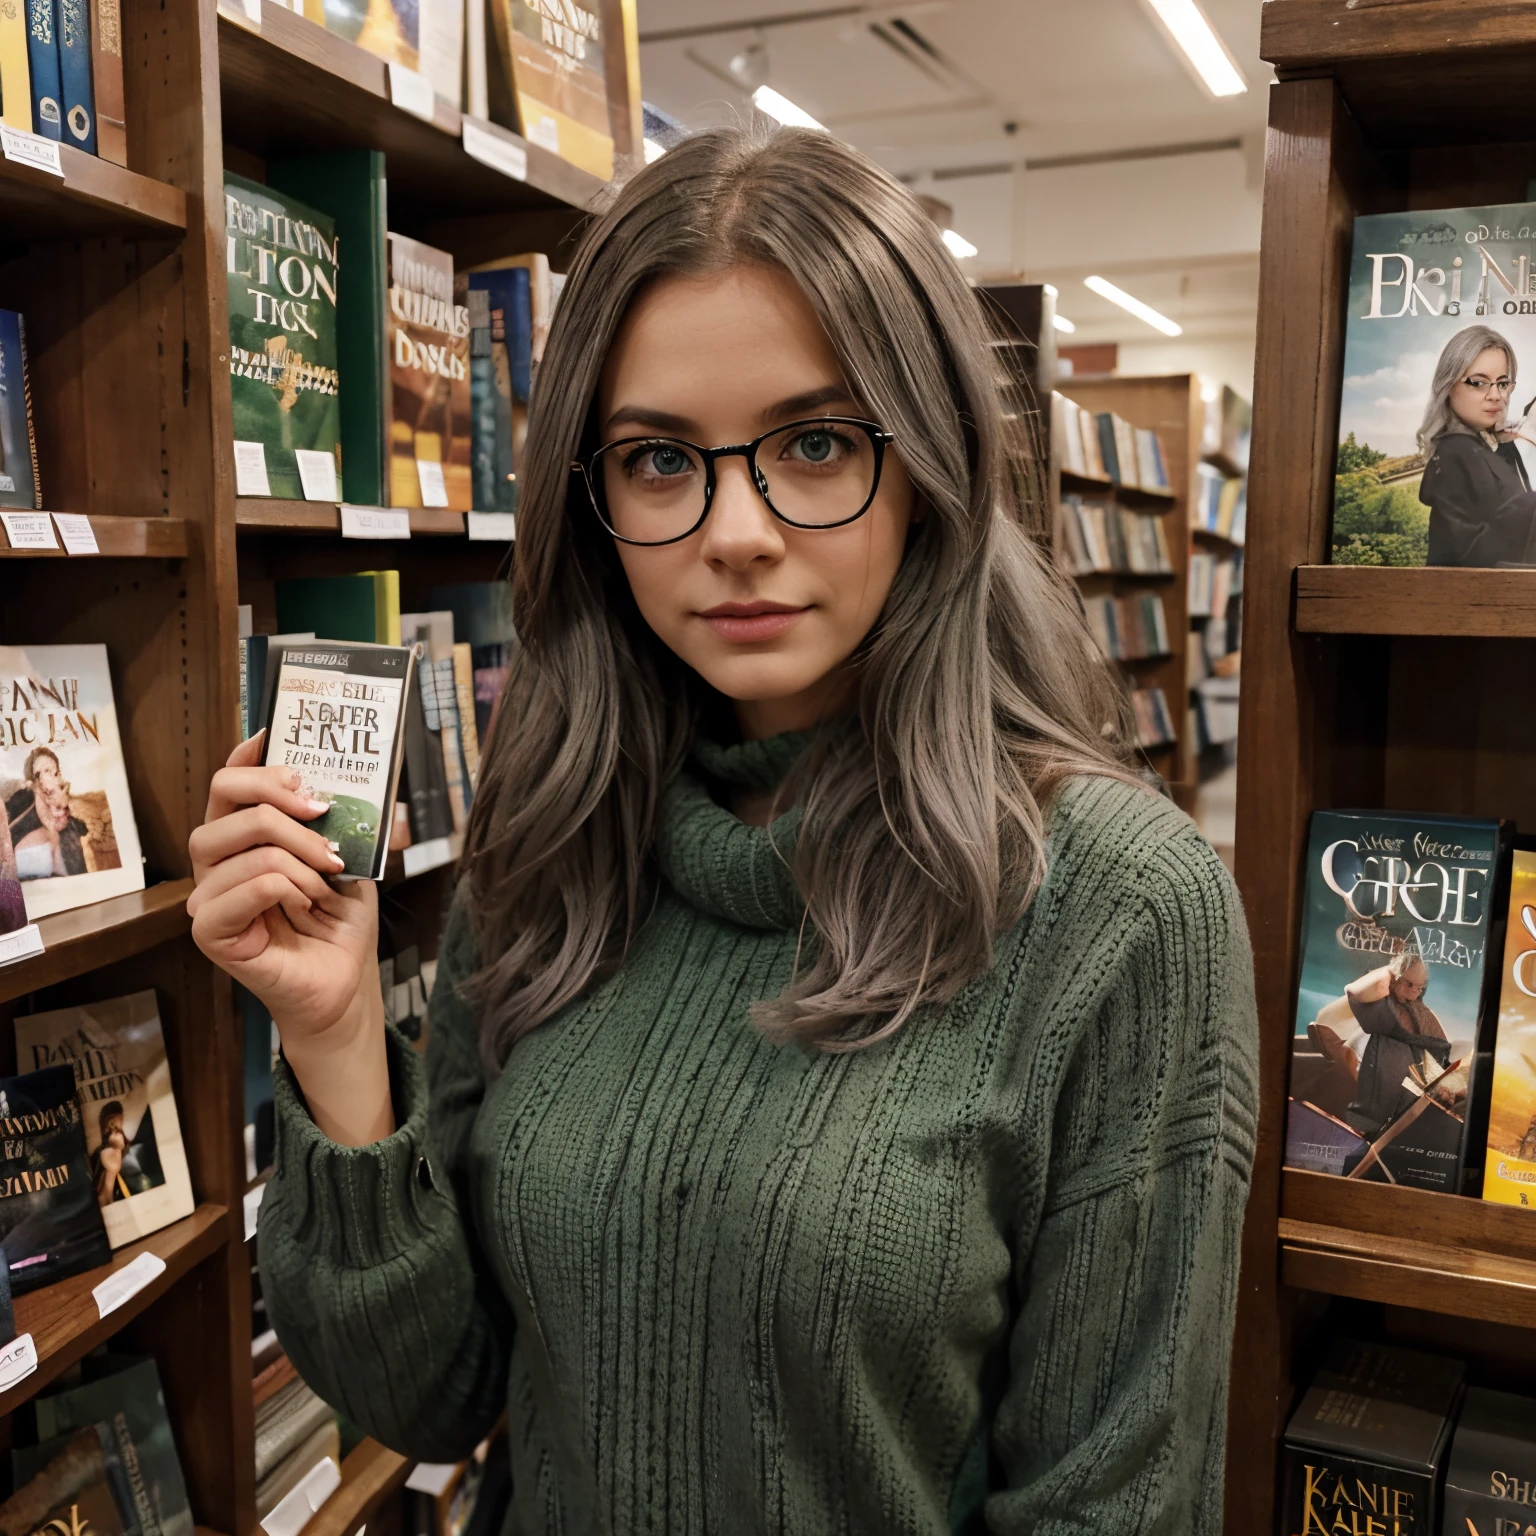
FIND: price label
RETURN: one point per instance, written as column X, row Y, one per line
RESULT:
column 29, row 530
column 434, row 489
column 411, row 91
column 76, row 531
column 498, row 526
column 251, row 469
column 294, row 1512
column 252, row 1206
column 431, row 1477
column 18, row 1360
column 127, row 1282
column 244, row 13
column 21, row 944
column 375, row 522
column 317, row 474
column 483, row 143
column 31, row 149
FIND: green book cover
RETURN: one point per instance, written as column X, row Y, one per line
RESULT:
column 281, row 258
column 349, row 185
column 330, row 607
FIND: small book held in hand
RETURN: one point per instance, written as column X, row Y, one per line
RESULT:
column 336, row 717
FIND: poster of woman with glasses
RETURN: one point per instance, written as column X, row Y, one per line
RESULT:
column 1437, row 443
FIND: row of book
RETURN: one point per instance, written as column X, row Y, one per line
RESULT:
column 61, row 73
column 1414, row 1054
column 1104, row 446
column 1221, row 503
column 1102, row 537
column 389, row 380
column 1154, row 724
column 1129, row 628
column 1213, row 580
column 1214, row 706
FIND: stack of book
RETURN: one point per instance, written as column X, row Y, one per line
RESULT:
column 1104, row 446
column 61, row 73
column 1102, row 537
column 295, row 1429
column 1154, row 725
column 1221, row 503
column 1129, row 628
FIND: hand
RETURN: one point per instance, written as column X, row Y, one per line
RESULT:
column 111, row 1156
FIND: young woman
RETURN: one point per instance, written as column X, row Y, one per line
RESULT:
column 1481, row 507
column 840, row 1094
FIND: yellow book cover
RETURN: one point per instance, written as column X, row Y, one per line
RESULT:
column 15, row 72
column 1510, row 1172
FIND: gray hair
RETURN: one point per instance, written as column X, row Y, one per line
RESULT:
column 1399, row 964
column 1461, row 351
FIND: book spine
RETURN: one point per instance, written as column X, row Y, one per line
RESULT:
column 1106, row 425
column 107, row 80
column 15, row 76
column 464, row 692
column 78, row 102
column 26, row 397
column 43, row 64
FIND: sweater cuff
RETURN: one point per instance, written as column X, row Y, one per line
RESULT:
column 355, row 1207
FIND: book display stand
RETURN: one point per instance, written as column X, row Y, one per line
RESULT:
column 120, row 273
column 1364, row 687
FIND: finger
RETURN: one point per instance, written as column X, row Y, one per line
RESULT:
column 248, row 753
column 224, row 919
column 233, row 788
column 253, row 864
column 253, row 827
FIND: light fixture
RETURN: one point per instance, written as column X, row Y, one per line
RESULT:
column 653, row 151
column 1063, row 324
column 781, row 108
column 959, row 246
column 749, row 68
column 1107, row 290
column 1197, row 40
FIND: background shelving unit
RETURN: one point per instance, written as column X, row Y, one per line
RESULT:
column 1403, row 689
column 120, row 275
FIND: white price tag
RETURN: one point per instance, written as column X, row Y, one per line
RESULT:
column 18, row 1360
column 411, row 91
column 31, row 149
column 434, row 490
column 251, row 470
column 29, row 530
column 294, row 1512
column 499, row 526
column 545, row 132
column 431, row 1477
column 244, row 13
column 375, row 522
column 128, row 1282
column 488, row 147
column 252, row 1206
column 317, row 474
column 76, row 531
column 432, row 854
column 21, row 944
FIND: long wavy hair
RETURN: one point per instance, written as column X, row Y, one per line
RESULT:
column 1461, row 351
column 979, row 690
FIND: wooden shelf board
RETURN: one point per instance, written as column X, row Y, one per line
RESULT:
column 94, row 198
column 1072, row 481
column 1229, row 467
column 87, row 937
column 1414, row 600
column 63, row 1320
column 125, row 537
column 1123, row 575
column 1304, row 33
column 258, row 513
column 368, row 1476
column 335, row 95
column 1221, row 540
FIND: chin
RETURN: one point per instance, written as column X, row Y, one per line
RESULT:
column 757, row 679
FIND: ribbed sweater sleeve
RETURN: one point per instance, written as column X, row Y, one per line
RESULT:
column 1114, row 1417
column 370, row 1266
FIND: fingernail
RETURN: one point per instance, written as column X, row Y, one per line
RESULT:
column 334, row 847
column 338, row 861
column 318, row 807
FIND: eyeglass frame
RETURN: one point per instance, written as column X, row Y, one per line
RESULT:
column 1505, row 387
column 879, row 439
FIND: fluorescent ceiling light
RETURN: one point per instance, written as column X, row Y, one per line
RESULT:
column 959, row 246
column 1107, row 290
column 1063, row 324
column 653, row 151
column 1197, row 40
column 768, row 100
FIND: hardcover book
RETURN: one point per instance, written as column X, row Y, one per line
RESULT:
column 1509, row 1172
column 132, row 1131
column 107, row 80
column 62, row 779
column 18, row 443
column 50, row 1224
column 1399, row 917
column 83, row 1491
column 336, row 716
column 282, row 260
column 15, row 76
column 1437, row 443
column 78, row 101
column 43, row 65
column 1490, row 1479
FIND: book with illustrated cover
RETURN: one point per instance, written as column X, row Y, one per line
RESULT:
column 82, row 1491
column 388, row 29
column 15, row 75
column 1509, row 1174
column 79, row 100
column 1401, row 914
column 132, row 1131
column 1436, row 454
column 62, row 778
column 50, row 1224
column 282, row 261
column 336, row 716
column 1490, row 1478
column 43, row 67
column 18, row 442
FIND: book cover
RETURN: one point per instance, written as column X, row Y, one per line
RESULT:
column 1399, row 917
column 78, row 99
column 495, row 409
column 482, row 619
column 330, row 607
column 350, row 186
column 526, row 355
column 132, row 1131
column 15, row 75
column 50, row 1224
column 1509, row 1173
column 1108, row 449
column 19, row 485
column 429, row 435
column 1436, row 443
column 43, row 65
column 81, row 1492
column 107, row 80
column 337, row 712
column 1490, row 1478
column 62, row 778
column 389, row 29
column 282, row 260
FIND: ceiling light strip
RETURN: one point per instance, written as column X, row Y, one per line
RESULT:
column 1143, row 312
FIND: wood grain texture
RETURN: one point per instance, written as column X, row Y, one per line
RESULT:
column 63, row 1318
column 95, row 198
column 1161, row 501
column 154, row 538
column 1298, row 34
column 1414, row 600
column 271, row 516
column 368, row 1477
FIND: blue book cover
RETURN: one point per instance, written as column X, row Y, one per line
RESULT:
column 78, row 101
column 18, row 447
column 511, row 364
column 43, row 63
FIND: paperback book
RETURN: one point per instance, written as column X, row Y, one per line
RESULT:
column 15, row 75
column 1509, row 1174
column 18, row 443
column 336, row 716
column 132, row 1132
column 83, row 1491
column 1400, row 914
column 62, row 778
column 1490, row 1479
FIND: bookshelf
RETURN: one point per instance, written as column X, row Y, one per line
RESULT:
column 120, row 275
column 1374, row 688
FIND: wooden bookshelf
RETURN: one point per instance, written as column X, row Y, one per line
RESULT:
column 150, row 538
column 1414, row 600
column 94, row 198
column 370, row 1473
column 252, row 513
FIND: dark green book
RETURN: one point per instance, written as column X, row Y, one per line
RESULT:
column 349, row 185
column 330, row 607
column 283, row 364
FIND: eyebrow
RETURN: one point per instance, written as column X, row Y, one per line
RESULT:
column 805, row 404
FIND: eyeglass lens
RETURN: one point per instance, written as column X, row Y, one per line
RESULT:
column 812, row 473
column 1482, row 385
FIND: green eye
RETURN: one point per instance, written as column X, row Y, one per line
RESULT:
column 816, row 447
column 668, row 460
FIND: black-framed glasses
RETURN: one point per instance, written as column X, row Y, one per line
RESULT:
column 822, row 472
column 1481, row 385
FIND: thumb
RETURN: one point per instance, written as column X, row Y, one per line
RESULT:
column 248, row 753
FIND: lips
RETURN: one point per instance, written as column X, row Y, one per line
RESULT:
column 743, row 623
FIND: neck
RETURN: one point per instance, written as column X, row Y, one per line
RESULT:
column 759, row 719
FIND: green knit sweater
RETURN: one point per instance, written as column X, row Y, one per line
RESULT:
column 979, row 1277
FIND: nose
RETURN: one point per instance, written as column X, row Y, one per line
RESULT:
column 740, row 529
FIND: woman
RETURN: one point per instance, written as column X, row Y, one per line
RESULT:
column 1481, row 507
column 46, row 838
column 839, row 1101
